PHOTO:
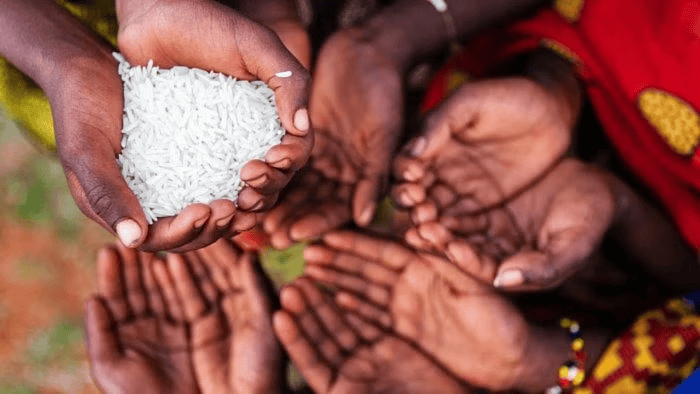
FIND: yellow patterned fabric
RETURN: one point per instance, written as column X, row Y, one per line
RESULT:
column 23, row 101
column 569, row 9
column 673, row 118
column 652, row 356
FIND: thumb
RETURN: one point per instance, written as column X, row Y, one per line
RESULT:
column 365, row 199
column 102, row 194
column 434, row 135
column 102, row 343
column 268, row 59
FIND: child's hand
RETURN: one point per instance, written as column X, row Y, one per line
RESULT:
column 339, row 352
column 136, row 335
column 312, row 205
column 462, row 323
column 533, row 241
column 356, row 101
column 234, row 349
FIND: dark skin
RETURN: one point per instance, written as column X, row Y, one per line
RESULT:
column 485, row 185
column 76, row 71
column 463, row 323
column 228, row 309
column 339, row 352
column 357, row 101
column 136, row 332
column 191, row 324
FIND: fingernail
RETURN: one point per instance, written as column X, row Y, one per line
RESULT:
column 301, row 120
column 407, row 199
column 257, row 206
column 366, row 215
column 284, row 163
column 418, row 146
column 128, row 231
column 257, row 182
column 200, row 222
column 224, row 221
column 509, row 278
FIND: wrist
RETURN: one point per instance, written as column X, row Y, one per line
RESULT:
column 406, row 31
column 557, row 76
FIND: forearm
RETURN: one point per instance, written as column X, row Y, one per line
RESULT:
column 411, row 29
column 38, row 37
column 548, row 349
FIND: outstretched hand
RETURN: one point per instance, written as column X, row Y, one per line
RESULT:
column 486, row 185
column 459, row 321
column 224, row 300
column 136, row 334
column 339, row 352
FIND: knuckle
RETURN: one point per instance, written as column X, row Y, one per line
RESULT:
column 100, row 200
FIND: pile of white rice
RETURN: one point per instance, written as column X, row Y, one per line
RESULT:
column 187, row 133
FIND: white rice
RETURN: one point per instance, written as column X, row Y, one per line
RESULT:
column 187, row 133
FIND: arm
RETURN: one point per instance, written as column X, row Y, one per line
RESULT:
column 411, row 29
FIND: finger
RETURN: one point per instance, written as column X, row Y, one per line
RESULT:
column 416, row 241
column 327, row 215
column 111, row 283
column 171, row 232
column 466, row 258
column 202, row 277
column 194, row 304
column 291, row 154
column 408, row 169
column 218, row 224
column 374, row 314
column 435, row 135
column 133, row 282
column 286, row 208
column 424, row 212
column 155, row 298
column 435, row 234
column 368, row 332
column 408, row 195
column 101, row 337
column 314, row 369
column 294, row 301
column 323, row 257
column 263, row 178
column 102, row 194
column 242, row 221
column 388, row 253
column 253, row 284
column 350, row 283
column 465, row 224
column 329, row 318
column 223, row 253
column 171, row 299
column 364, row 202
column 251, row 200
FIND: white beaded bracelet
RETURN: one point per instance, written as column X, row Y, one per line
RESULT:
column 441, row 7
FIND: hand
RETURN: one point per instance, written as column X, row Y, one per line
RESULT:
column 224, row 299
column 312, row 205
column 533, row 241
column 338, row 352
column 357, row 105
column 460, row 322
column 136, row 335
column 164, row 31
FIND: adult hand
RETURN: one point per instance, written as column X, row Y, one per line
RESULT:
column 339, row 352
column 224, row 299
column 459, row 321
column 89, row 135
column 136, row 335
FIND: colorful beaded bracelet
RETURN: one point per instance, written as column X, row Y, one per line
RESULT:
column 573, row 372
